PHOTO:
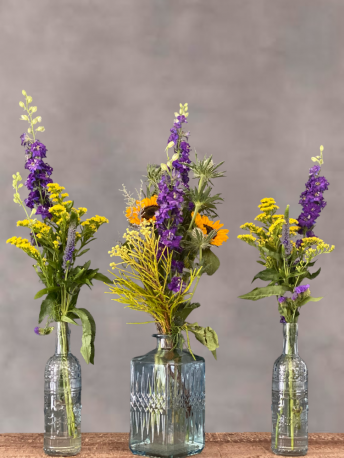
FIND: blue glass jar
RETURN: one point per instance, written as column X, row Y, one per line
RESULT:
column 289, row 398
column 167, row 402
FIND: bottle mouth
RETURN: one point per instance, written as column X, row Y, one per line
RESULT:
column 162, row 336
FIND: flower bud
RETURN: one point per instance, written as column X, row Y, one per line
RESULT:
column 175, row 157
column 23, row 92
column 21, row 104
column 164, row 167
column 321, row 148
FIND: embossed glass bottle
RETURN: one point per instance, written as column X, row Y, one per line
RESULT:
column 289, row 398
column 167, row 402
column 62, row 399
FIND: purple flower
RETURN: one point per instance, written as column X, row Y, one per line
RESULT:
column 176, row 285
column 281, row 299
column 24, row 139
column 70, row 245
column 37, row 330
column 312, row 201
column 299, row 290
column 38, row 178
column 177, row 266
column 314, row 170
column 282, row 320
column 43, row 211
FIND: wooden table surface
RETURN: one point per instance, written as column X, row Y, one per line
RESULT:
column 221, row 445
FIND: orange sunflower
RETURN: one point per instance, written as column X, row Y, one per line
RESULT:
column 144, row 209
column 206, row 226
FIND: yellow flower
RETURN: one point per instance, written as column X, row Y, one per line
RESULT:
column 24, row 223
column 144, row 209
column 56, row 244
column 64, row 195
column 247, row 238
column 77, row 235
column 262, row 217
column 54, row 188
column 81, row 211
column 67, row 202
column 267, row 205
column 254, row 229
column 57, row 209
column 206, row 226
column 94, row 223
column 26, row 246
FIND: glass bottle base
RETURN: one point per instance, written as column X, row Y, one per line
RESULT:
column 284, row 448
column 168, row 451
column 62, row 446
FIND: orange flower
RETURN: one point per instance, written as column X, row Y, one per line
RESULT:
column 144, row 209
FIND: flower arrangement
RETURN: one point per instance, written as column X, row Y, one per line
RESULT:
column 169, row 241
column 55, row 242
column 287, row 262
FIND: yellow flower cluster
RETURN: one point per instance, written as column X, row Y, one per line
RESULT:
column 253, row 229
column 94, row 223
column 26, row 246
column 248, row 238
column 321, row 248
column 267, row 205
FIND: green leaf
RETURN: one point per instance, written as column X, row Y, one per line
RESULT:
column 47, row 306
column 309, row 299
column 314, row 275
column 261, row 262
column 86, row 265
column 210, row 262
column 67, row 319
column 83, row 252
column 207, row 336
column 259, row 293
column 46, row 291
column 103, row 278
column 267, row 275
column 184, row 311
column 81, row 271
column 272, row 254
column 88, row 334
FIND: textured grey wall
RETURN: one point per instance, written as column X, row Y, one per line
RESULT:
column 265, row 85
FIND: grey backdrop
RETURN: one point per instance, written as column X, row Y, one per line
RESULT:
column 265, row 85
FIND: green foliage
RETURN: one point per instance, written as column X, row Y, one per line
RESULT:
column 267, row 291
column 210, row 262
column 88, row 334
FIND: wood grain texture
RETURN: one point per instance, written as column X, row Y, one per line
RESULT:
column 218, row 445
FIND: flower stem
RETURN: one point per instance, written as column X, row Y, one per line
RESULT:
column 66, row 383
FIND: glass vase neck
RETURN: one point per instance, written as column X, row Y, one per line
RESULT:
column 165, row 342
column 62, row 338
column 290, row 336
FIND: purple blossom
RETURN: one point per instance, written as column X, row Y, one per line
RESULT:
column 282, row 320
column 172, row 187
column 176, row 285
column 39, row 176
column 177, row 266
column 299, row 290
column 281, row 299
column 36, row 330
column 24, row 139
column 70, row 245
column 312, row 201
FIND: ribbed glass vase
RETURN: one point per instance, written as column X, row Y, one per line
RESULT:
column 167, row 403
column 290, row 398
column 62, row 399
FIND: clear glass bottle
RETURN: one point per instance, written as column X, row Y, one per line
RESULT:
column 289, row 398
column 167, row 402
column 62, row 399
